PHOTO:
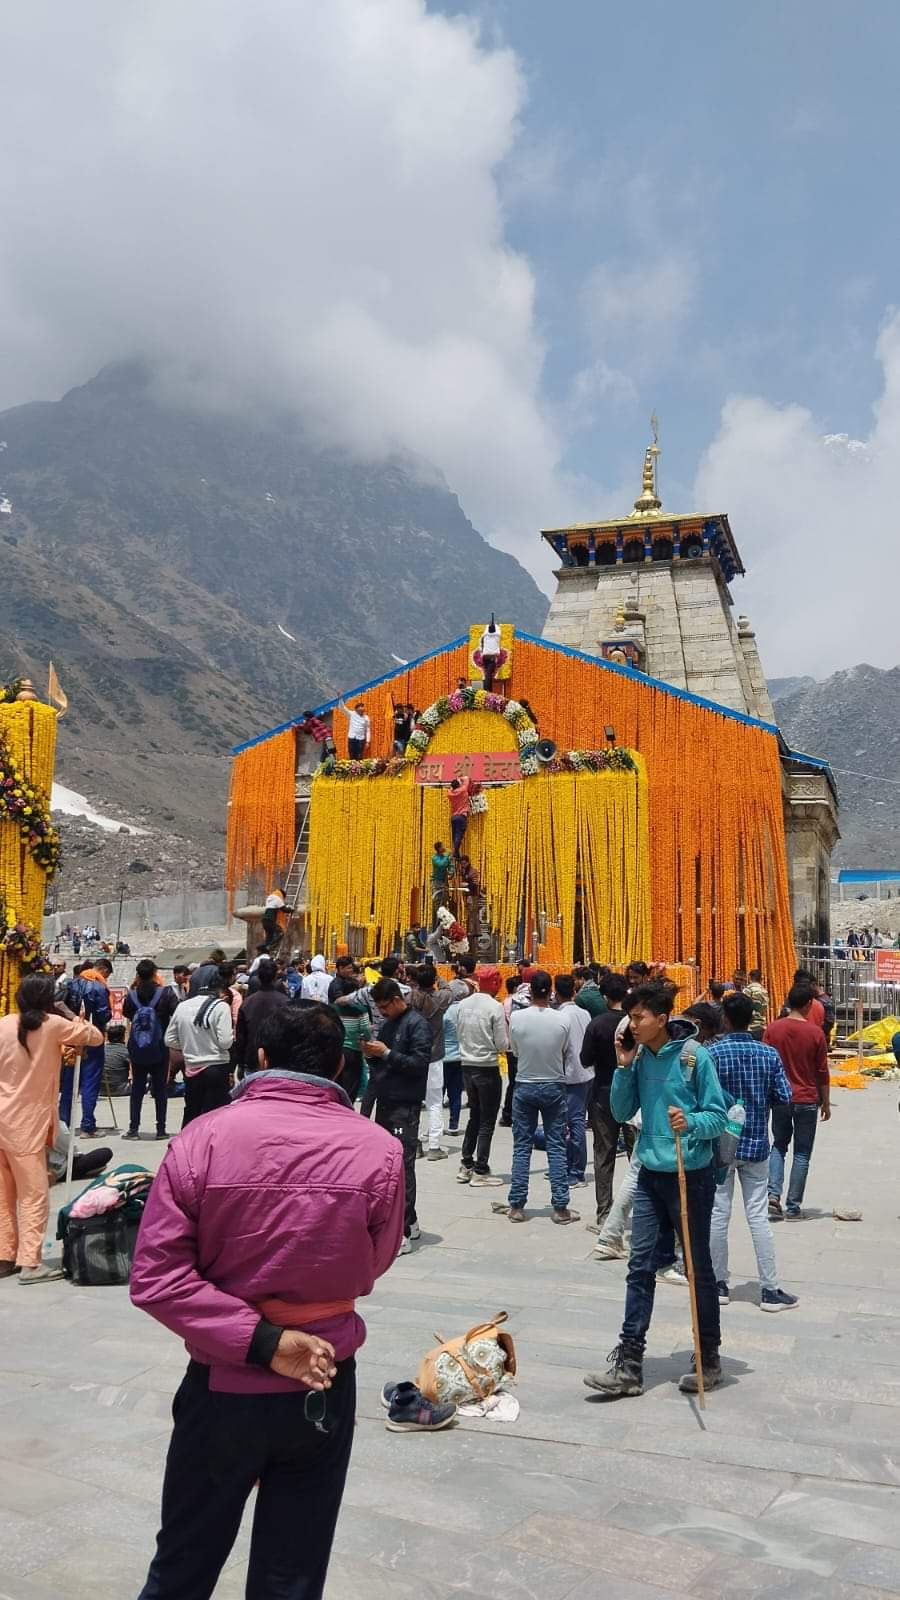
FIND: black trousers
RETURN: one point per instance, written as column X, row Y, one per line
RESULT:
column 206, row 1090
column 351, row 1076
column 356, row 749
column 221, row 1445
column 606, row 1132
column 483, row 1087
column 403, row 1123
column 512, row 1067
column 159, row 1079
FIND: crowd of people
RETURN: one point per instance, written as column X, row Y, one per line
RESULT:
column 380, row 1061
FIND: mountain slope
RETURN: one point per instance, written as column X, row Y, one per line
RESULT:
column 152, row 552
column 852, row 719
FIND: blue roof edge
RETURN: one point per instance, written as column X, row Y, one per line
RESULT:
column 565, row 650
column 329, row 705
column 860, row 875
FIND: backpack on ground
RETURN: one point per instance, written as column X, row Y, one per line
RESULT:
column 146, row 1044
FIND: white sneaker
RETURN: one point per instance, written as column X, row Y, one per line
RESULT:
column 672, row 1275
column 486, row 1180
column 609, row 1249
column 415, row 1231
column 406, row 1247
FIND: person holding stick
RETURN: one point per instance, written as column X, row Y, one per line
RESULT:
column 671, row 1079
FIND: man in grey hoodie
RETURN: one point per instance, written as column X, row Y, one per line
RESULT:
column 481, row 1031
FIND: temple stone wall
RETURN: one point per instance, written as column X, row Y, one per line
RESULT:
column 811, row 832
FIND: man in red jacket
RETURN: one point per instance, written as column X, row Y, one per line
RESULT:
column 266, row 1221
column 801, row 1044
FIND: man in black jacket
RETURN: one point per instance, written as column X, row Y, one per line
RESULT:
column 398, row 1066
column 598, row 1050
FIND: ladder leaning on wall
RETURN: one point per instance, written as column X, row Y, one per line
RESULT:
column 295, row 882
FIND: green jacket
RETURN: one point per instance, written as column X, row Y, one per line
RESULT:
column 675, row 1076
column 590, row 999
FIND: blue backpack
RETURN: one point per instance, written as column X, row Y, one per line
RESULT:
column 146, row 1041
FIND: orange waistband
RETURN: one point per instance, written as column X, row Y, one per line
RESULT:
column 296, row 1314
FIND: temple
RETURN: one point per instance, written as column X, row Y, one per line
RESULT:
column 630, row 794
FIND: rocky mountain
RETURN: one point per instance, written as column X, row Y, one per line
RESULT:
column 155, row 554
column 852, row 719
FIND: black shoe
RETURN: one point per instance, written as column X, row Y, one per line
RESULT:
column 506, row 1122
column 712, row 1374
column 131, row 1134
column 161, row 1134
column 624, row 1377
column 724, row 1296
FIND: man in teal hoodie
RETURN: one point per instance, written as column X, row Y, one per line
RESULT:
column 672, row 1080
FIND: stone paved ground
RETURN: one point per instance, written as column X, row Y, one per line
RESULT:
column 788, row 1487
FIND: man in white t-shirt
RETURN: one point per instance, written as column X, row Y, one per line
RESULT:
column 538, row 1038
column 490, row 652
column 359, row 730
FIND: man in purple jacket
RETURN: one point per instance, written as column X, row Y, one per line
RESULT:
column 266, row 1221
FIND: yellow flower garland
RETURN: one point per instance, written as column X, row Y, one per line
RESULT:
column 29, row 730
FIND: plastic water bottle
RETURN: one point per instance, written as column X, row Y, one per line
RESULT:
column 726, row 1149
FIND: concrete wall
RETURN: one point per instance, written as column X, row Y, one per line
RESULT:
column 192, row 908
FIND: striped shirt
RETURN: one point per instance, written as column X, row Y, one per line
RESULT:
column 751, row 1072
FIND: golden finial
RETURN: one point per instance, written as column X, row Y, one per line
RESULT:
column 648, row 502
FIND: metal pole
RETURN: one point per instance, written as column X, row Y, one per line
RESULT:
column 119, row 921
column 70, row 1157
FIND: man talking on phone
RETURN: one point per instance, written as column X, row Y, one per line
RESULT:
column 663, row 1073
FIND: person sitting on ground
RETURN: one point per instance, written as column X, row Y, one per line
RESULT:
column 681, row 1095
column 32, row 1040
column 230, row 1258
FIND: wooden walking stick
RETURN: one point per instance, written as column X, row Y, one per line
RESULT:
column 689, row 1264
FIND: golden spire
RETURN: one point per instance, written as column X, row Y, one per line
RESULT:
column 648, row 503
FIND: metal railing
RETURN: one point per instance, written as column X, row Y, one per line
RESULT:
column 852, row 986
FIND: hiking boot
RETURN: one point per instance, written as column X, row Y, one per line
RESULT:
column 485, row 1180
column 464, row 1175
column 624, row 1377
column 132, row 1133
column 775, row 1206
column 610, row 1249
column 564, row 1216
column 436, row 1155
column 515, row 1213
column 724, row 1296
column 7, row 1268
column 43, row 1273
column 410, row 1412
column 712, row 1374
column 777, row 1300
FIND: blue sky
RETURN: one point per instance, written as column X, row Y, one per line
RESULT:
column 731, row 170
column 495, row 238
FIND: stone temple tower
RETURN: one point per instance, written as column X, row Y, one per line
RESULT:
column 650, row 590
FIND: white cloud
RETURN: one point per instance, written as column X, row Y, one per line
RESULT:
column 286, row 206
column 814, row 516
column 642, row 305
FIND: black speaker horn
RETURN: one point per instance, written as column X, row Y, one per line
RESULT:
column 546, row 750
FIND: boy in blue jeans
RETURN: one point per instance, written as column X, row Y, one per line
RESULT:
column 671, row 1079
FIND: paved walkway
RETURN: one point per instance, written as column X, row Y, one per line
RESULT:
column 788, row 1486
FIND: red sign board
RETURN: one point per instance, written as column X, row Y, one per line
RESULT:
column 479, row 765
column 887, row 966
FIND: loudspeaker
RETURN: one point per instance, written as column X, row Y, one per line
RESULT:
column 546, row 750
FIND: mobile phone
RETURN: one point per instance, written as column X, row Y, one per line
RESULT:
column 624, row 1035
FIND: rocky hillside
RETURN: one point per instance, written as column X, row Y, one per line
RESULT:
column 853, row 720
column 155, row 555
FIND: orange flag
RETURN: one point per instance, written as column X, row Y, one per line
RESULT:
column 56, row 692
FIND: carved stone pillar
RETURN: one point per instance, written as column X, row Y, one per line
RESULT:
column 811, row 830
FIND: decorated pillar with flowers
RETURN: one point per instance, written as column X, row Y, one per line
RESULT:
column 29, row 843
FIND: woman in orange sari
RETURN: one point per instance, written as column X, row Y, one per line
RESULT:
column 32, row 1040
